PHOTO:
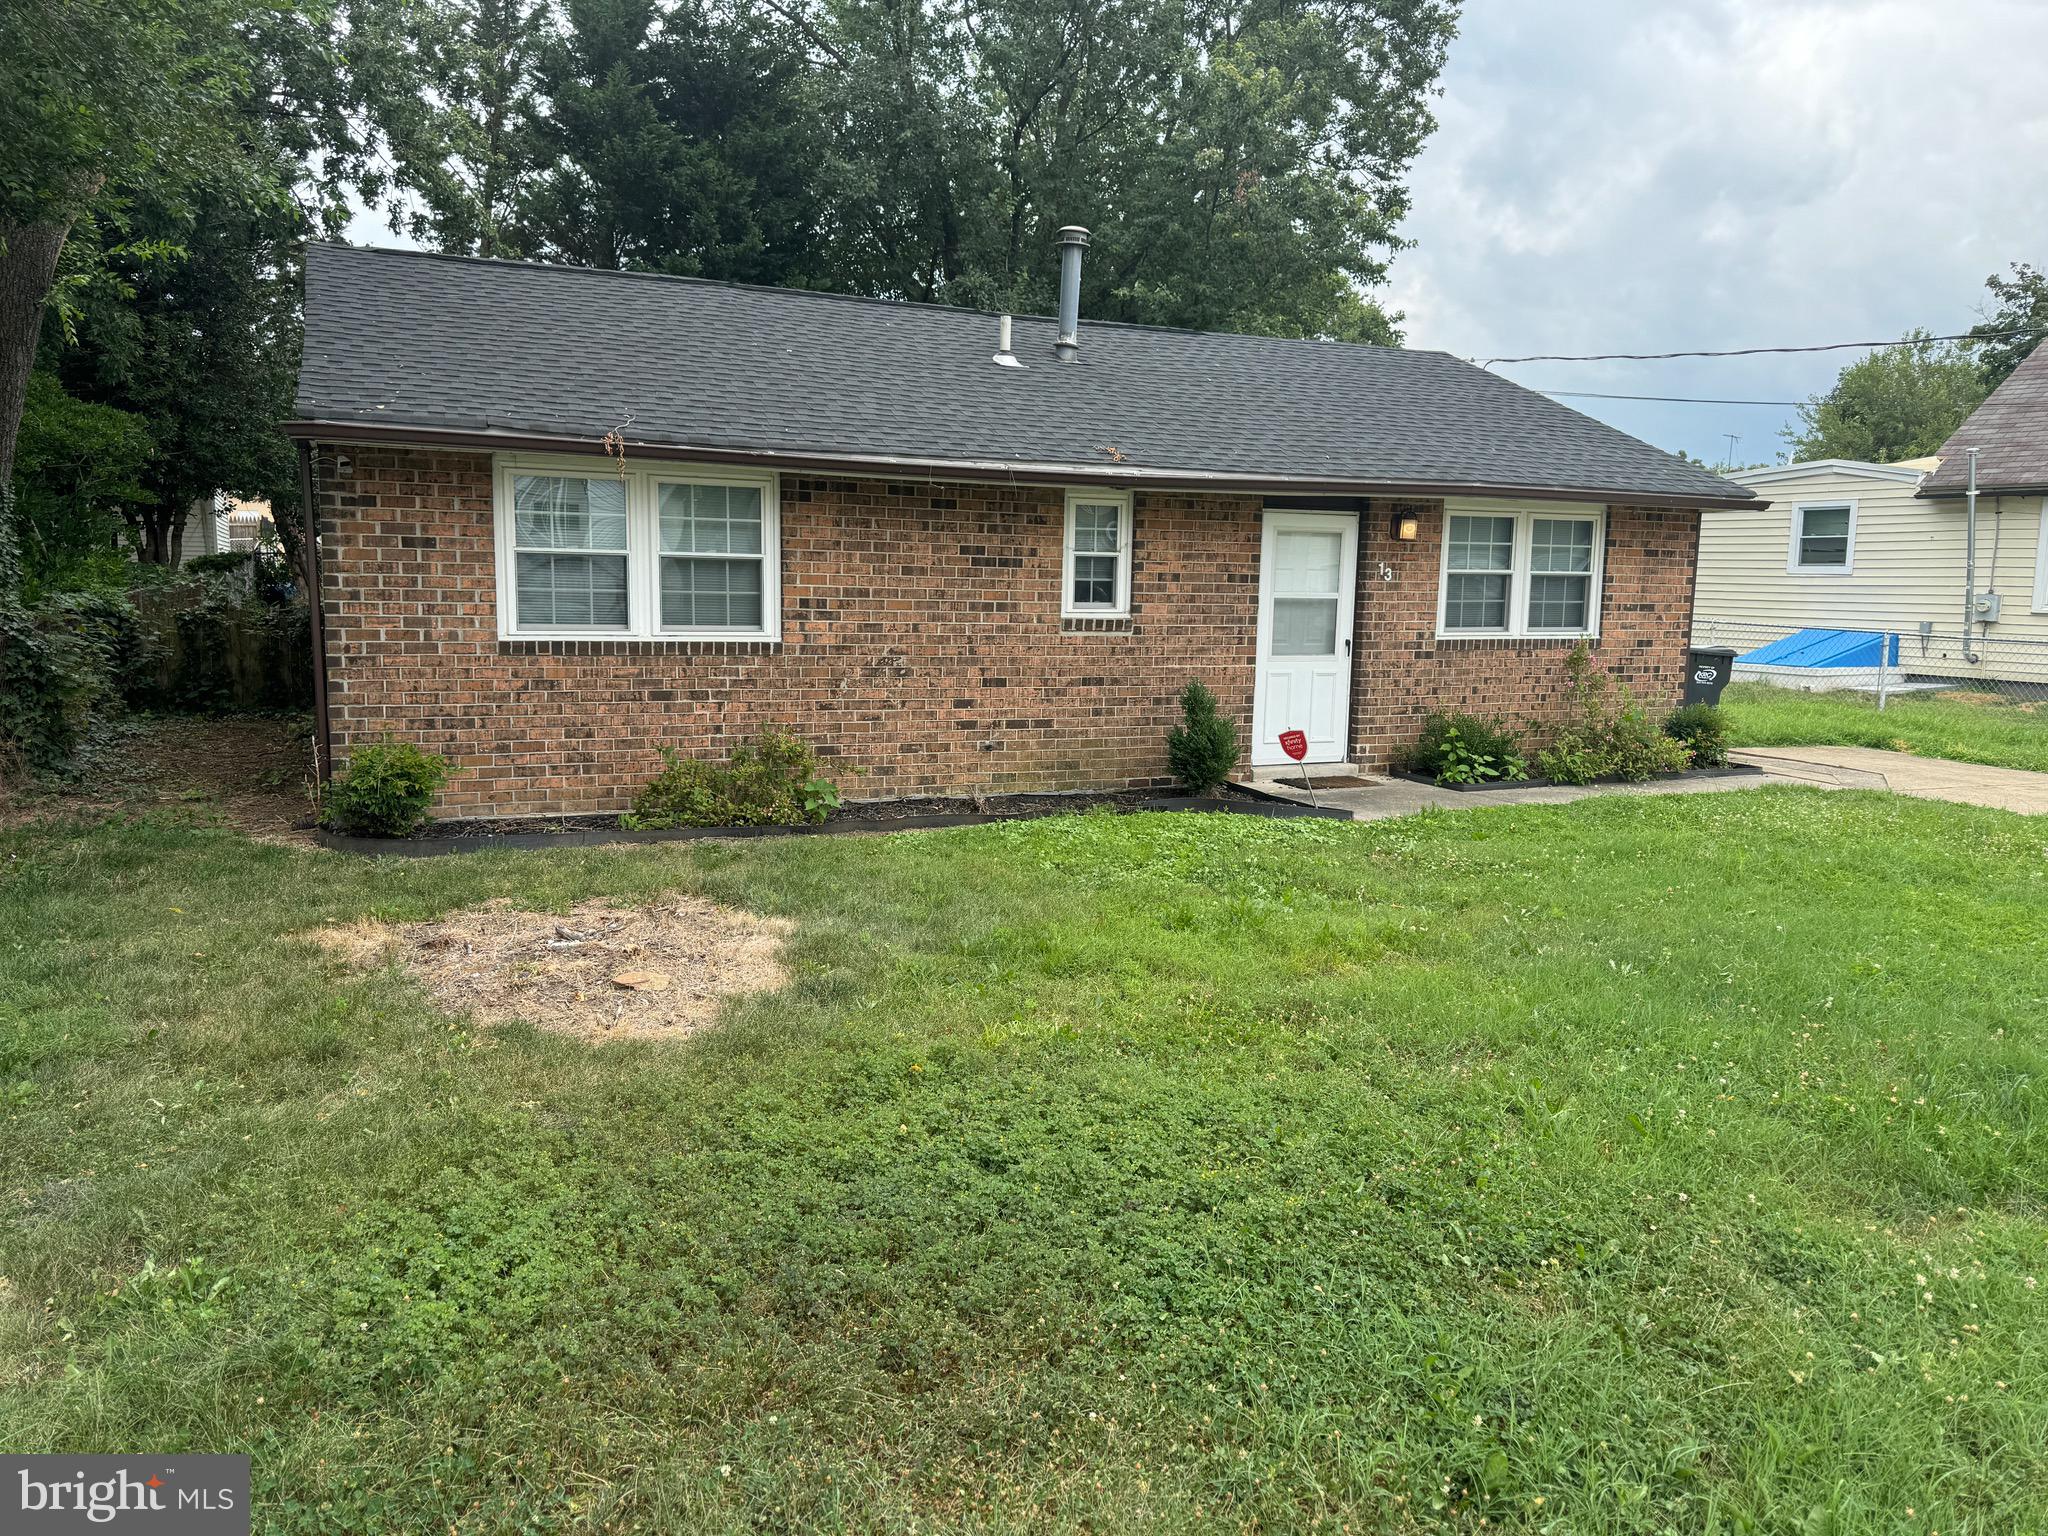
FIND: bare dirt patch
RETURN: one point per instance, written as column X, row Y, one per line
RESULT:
column 597, row 972
column 251, row 772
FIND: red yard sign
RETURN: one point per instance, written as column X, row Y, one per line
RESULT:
column 1294, row 744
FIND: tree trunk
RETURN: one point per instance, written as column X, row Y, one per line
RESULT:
column 28, row 265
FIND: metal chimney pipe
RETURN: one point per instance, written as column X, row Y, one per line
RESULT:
column 1072, row 241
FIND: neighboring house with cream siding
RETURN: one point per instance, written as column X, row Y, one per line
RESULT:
column 1839, row 544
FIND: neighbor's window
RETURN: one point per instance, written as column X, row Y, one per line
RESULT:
column 1821, row 537
column 569, row 560
column 660, row 551
column 1521, row 571
column 1097, row 567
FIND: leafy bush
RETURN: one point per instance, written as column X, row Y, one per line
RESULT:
column 1704, row 729
column 1466, row 749
column 385, row 790
column 1459, row 762
column 1202, row 749
column 69, row 660
column 1607, row 736
column 772, row 782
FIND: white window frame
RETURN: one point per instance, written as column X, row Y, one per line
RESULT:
column 1520, row 587
column 1121, row 608
column 643, row 545
column 2041, row 562
column 1794, row 565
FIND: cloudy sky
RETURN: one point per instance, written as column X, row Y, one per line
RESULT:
column 1657, row 175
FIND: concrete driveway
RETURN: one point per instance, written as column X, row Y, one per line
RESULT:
column 1928, row 778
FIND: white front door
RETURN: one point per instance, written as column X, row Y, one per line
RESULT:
column 1308, row 564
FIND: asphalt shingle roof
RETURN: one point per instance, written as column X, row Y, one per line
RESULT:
column 455, row 346
column 2011, row 431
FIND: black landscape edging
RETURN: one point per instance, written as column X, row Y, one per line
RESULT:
column 1256, row 803
column 1731, row 771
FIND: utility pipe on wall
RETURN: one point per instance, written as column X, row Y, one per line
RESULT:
column 1970, row 562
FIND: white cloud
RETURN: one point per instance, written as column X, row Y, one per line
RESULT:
column 1616, row 176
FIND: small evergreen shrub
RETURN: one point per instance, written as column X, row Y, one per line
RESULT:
column 1704, row 729
column 1466, row 749
column 384, row 791
column 1202, row 749
column 773, row 781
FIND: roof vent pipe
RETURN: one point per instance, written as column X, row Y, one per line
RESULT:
column 1072, row 241
column 1004, row 357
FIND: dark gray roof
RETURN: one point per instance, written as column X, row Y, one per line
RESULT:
column 2011, row 431
column 454, row 347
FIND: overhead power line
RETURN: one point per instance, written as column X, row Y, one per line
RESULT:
column 1590, row 394
column 1828, row 346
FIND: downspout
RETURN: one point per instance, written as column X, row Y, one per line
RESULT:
column 316, row 618
column 1970, row 561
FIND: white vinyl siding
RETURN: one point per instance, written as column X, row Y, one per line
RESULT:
column 664, row 551
column 1907, row 565
column 1520, row 569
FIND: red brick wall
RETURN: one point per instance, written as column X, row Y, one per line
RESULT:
column 1403, row 671
column 922, row 641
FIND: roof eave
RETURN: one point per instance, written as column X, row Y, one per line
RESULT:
column 993, row 469
column 1958, row 492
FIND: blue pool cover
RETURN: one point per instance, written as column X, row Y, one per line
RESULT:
column 1823, row 648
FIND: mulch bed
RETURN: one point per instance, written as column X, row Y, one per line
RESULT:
column 1731, row 771
column 460, row 836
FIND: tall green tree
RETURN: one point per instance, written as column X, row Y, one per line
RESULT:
column 97, row 98
column 468, row 147
column 1241, row 167
column 1897, row 403
column 193, row 327
column 2015, row 321
column 677, row 138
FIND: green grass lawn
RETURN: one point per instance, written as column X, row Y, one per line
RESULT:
column 1965, row 726
column 1647, row 1164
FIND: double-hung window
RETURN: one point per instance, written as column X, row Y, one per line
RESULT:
column 1514, row 571
column 1096, row 571
column 1823, row 537
column 569, row 552
column 666, row 551
column 713, row 565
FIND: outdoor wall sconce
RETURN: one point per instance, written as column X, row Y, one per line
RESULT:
column 1406, row 527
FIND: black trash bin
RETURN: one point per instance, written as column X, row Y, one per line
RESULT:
column 1706, row 673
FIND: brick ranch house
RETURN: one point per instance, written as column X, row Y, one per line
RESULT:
column 567, row 517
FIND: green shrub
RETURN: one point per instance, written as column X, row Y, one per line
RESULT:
column 72, row 658
column 771, row 782
column 385, row 790
column 1704, row 729
column 1607, row 735
column 1459, row 762
column 1468, row 749
column 1202, row 749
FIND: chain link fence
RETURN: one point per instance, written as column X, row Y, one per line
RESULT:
column 1938, row 692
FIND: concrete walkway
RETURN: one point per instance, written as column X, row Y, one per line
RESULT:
column 2009, row 789
column 1928, row 778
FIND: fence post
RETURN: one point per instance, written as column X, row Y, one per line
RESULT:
column 1884, row 668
